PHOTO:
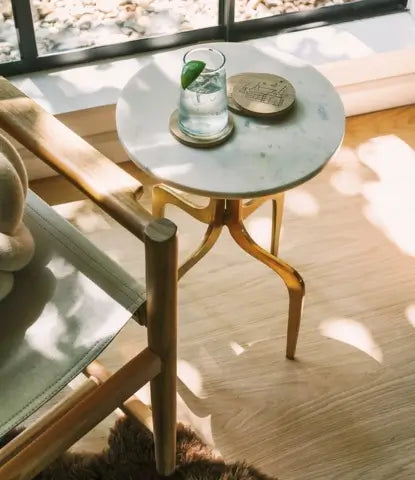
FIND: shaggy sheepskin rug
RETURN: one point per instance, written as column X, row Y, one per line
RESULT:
column 130, row 456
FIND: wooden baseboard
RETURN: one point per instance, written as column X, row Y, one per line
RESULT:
column 374, row 83
column 376, row 95
column 366, row 85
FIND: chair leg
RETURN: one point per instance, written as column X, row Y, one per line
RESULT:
column 163, row 400
column 161, row 279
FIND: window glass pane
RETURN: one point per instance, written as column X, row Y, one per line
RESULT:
column 62, row 25
column 9, row 47
column 251, row 9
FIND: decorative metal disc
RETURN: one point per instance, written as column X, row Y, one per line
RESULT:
column 198, row 142
column 261, row 94
column 232, row 81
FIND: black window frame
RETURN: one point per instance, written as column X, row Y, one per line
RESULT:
column 227, row 30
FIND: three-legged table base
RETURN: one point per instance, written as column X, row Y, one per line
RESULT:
column 232, row 213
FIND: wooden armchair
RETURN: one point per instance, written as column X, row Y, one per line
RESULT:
column 71, row 301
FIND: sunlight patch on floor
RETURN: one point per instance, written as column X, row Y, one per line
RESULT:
column 236, row 348
column 260, row 230
column 202, row 425
column 191, row 377
column 391, row 199
column 353, row 333
column 410, row 314
column 347, row 179
column 346, row 182
column 302, row 203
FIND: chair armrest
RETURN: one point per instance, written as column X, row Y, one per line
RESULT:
column 110, row 187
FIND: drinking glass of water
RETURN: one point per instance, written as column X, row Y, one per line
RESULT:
column 203, row 106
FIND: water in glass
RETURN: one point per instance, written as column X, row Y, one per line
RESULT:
column 203, row 107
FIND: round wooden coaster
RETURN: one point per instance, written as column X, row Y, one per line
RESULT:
column 196, row 142
column 263, row 94
column 232, row 81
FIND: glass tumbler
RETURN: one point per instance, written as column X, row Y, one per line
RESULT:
column 203, row 106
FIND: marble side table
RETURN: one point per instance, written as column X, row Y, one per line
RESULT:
column 262, row 160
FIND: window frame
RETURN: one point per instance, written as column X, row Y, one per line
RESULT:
column 227, row 30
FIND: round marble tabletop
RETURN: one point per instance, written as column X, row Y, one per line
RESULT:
column 262, row 157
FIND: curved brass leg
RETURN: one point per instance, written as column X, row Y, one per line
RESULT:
column 163, row 195
column 212, row 214
column 250, row 206
column 160, row 198
column 291, row 278
column 277, row 210
column 211, row 235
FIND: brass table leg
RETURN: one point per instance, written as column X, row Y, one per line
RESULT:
column 211, row 235
column 232, row 213
column 277, row 210
column 250, row 206
column 291, row 278
column 212, row 214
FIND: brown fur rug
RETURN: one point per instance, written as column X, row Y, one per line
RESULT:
column 130, row 456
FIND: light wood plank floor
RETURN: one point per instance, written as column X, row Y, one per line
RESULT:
column 345, row 409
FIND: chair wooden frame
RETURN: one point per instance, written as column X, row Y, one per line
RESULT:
column 116, row 192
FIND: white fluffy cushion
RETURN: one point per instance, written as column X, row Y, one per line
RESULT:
column 16, row 242
column 16, row 250
column 6, row 284
column 11, row 197
column 8, row 151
